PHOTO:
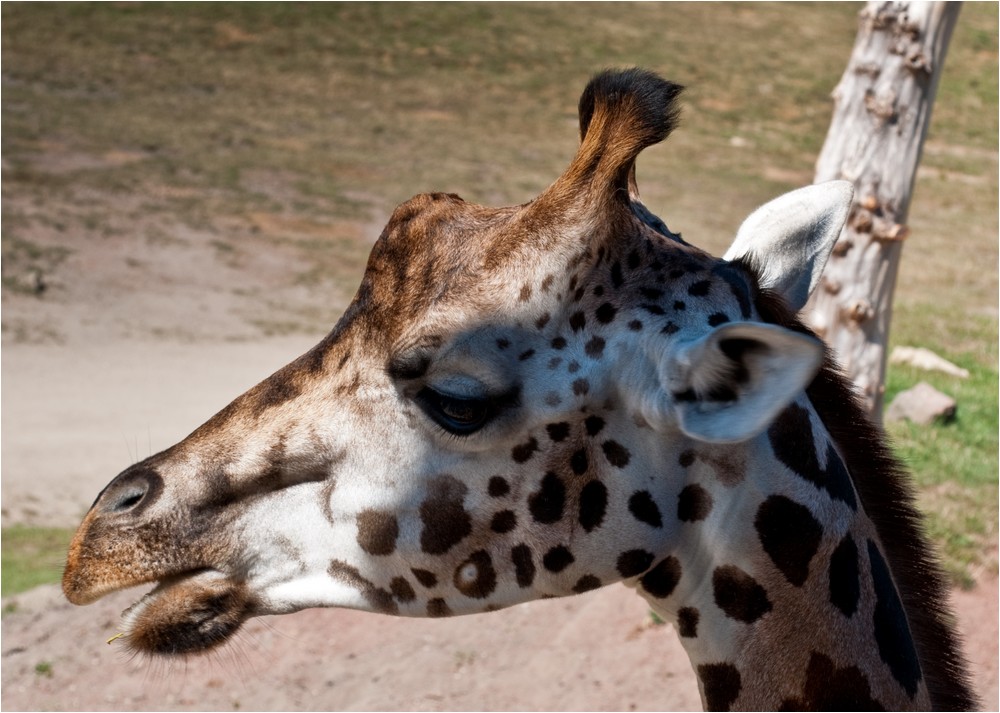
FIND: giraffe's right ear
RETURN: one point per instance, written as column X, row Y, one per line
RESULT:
column 789, row 239
column 730, row 384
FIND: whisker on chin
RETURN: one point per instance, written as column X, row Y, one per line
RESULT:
column 239, row 652
column 265, row 622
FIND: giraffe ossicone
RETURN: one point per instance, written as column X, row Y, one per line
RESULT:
column 539, row 400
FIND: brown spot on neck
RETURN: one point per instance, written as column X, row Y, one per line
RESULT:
column 886, row 495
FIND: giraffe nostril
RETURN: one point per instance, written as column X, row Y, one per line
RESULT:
column 131, row 492
column 128, row 501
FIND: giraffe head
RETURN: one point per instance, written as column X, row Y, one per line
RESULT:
column 502, row 414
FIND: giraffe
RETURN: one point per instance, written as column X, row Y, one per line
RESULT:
column 540, row 400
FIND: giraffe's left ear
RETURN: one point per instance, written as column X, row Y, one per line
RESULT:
column 789, row 239
column 730, row 384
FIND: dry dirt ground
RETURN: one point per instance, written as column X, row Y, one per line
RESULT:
column 598, row 651
column 133, row 345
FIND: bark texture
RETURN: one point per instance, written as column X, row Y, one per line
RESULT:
column 882, row 109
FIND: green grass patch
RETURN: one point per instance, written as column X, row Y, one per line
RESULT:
column 955, row 464
column 32, row 556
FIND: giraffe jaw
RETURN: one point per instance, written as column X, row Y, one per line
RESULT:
column 187, row 614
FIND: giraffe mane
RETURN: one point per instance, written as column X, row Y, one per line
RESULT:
column 886, row 491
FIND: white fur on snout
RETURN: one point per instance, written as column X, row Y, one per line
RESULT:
column 313, row 590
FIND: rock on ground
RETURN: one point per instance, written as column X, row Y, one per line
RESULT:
column 921, row 404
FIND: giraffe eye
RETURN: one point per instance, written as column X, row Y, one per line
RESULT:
column 460, row 416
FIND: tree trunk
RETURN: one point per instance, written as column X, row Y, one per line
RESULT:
column 882, row 108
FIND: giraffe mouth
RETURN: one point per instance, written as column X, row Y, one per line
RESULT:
column 187, row 614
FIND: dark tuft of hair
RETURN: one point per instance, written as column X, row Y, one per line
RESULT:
column 642, row 104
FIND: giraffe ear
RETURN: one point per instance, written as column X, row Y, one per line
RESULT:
column 789, row 239
column 730, row 384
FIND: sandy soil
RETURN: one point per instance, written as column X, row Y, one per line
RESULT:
column 131, row 347
column 598, row 651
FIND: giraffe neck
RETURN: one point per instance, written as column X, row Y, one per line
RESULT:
column 785, row 597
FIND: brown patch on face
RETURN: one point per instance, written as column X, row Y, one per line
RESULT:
column 606, row 313
column 402, row 590
column 616, row 454
column 557, row 558
column 503, row 521
column 522, row 453
column 347, row 389
column 284, row 385
column 280, row 387
column 377, row 532
column 593, row 424
column 595, row 348
column 524, row 565
column 314, row 360
column 475, row 577
column 547, row 503
column 593, row 505
column 644, row 508
column 325, row 497
column 437, row 608
column 445, row 521
column 498, row 486
column 426, row 578
column 557, row 431
column 378, row 599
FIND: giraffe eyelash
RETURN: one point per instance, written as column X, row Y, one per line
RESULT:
column 461, row 417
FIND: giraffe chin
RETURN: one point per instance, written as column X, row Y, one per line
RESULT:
column 187, row 614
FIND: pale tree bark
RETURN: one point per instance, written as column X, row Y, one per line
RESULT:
column 882, row 108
